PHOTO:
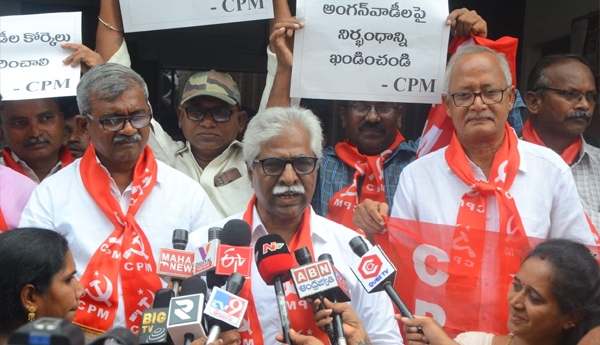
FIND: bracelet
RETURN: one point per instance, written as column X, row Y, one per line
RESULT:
column 108, row 25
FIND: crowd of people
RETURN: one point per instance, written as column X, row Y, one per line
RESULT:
column 69, row 176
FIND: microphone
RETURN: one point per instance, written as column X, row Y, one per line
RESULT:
column 184, row 321
column 224, row 309
column 177, row 263
column 49, row 331
column 274, row 261
column 234, row 253
column 205, row 256
column 376, row 272
column 121, row 335
column 304, row 258
column 154, row 321
column 332, row 295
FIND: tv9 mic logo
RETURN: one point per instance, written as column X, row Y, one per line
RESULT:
column 369, row 266
column 226, row 307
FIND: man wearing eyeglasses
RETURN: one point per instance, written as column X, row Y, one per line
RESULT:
column 117, row 205
column 487, row 178
column 282, row 148
column 211, row 119
column 561, row 96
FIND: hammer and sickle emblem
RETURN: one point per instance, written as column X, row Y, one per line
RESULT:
column 463, row 237
column 101, row 296
column 141, row 252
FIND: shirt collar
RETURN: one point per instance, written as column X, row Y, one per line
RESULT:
column 30, row 173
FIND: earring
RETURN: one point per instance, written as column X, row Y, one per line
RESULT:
column 31, row 315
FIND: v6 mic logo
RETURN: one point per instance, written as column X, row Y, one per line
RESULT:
column 369, row 267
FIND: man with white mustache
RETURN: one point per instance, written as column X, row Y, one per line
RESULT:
column 561, row 97
column 282, row 148
column 486, row 175
column 117, row 205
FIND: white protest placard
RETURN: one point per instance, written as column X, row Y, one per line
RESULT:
column 384, row 50
column 31, row 57
column 148, row 15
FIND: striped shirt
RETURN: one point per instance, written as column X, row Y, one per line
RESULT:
column 334, row 175
column 586, row 172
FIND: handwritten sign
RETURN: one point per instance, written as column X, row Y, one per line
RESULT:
column 31, row 57
column 148, row 15
column 384, row 50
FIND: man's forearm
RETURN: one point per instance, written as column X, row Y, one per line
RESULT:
column 108, row 41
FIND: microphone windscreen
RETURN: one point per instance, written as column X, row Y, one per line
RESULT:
column 163, row 298
column 359, row 246
column 326, row 257
column 303, row 256
column 273, row 258
column 192, row 286
column 235, row 283
column 121, row 335
column 214, row 233
column 236, row 232
column 180, row 239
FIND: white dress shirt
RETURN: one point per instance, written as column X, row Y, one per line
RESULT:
column 374, row 310
column 61, row 203
column 544, row 192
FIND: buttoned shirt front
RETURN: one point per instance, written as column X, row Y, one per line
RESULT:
column 544, row 192
column 335, row 175
column 228, row 197
column 61, row 203
column 586, row 172
column 30, row 173
column 374, row 310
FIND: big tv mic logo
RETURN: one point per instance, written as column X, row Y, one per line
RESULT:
column 175, row 263
column 226, row 307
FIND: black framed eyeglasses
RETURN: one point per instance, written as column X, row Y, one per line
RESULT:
column 363, row 109
column 488, row 97
column 117, row 123
column 275, row 166
column 218, row 114
column 574, row 95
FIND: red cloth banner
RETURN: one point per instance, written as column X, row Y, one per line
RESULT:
column 422, row 252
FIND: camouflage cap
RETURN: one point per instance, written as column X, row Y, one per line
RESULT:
column 214, row 84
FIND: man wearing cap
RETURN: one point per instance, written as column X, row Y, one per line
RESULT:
column 210, row 117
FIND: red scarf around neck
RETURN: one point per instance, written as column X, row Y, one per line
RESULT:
column 65, row 158
column 343, row 203
column 473, row 209
column 101, row 276
column 300, row 318
column 569, row 154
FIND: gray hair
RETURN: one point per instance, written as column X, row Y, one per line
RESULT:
column 270, row 124
column 106, row 82
column 475, row 50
